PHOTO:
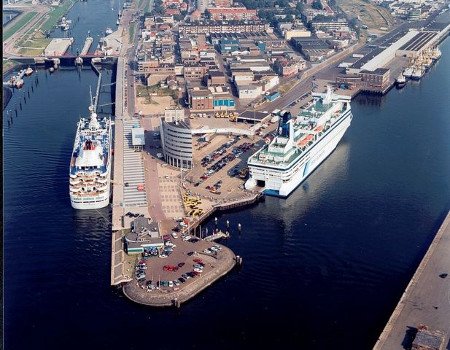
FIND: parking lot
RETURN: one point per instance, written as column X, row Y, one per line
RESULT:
column 182, row 260
column 220, row 172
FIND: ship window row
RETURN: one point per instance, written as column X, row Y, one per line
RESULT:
column 334, row 127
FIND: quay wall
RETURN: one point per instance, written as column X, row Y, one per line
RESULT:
column 435, row 256
column 224, row 207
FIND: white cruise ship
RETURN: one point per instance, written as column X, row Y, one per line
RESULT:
column 300, row 145
column 90, row 164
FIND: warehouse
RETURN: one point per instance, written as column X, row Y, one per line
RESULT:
column 417, row 44
column 380, row 57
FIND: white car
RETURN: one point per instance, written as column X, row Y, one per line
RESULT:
column 187, row 238
column 163, row 256
column 174, row 235
column 170, row 284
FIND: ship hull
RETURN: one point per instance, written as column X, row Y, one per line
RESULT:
column 93, row 203
column 87, row 200
column 305, row 165
column 400, row 85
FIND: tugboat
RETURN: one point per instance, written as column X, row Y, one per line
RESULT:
column 400, row 81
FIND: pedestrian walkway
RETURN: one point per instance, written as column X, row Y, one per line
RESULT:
column 134, row 194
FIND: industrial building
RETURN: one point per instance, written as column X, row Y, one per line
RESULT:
column 380, row 57
column 415, row 46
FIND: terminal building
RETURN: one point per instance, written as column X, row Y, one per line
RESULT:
column 176, row 139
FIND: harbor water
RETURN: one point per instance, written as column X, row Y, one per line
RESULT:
column 322, row 269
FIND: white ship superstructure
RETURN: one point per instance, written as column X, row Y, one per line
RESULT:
column 90, row 165
column 300, row 145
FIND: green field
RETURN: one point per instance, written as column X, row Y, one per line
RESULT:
column 371, row 15
column 20, row 22
column 56, row 14
column 132, row 29
column 7, row 64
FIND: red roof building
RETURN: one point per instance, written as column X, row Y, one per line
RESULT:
column 232, row 13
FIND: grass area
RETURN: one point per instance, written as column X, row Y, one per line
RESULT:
column 147, row 6
column 286, row 87
column 20, row 22
column 29, row 51
column 55, row 15
column 32, row 43
column 369, row 14
column 131, row 33
column 145, row 91
column 8, row 64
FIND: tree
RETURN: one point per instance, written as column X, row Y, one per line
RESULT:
column 299, row 7
column 317, row 5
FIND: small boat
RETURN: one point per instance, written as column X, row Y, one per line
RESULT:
column 51, row 69
column 408, row 72
column 28, row 71
column 108, row 31
column 118, row 22
column 436, row 54
column 19, row 83
column 400, row 81
column 417, row 73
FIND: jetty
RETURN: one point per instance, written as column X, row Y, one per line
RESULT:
column 87, row 45
column 216, row 236
column 425, row 302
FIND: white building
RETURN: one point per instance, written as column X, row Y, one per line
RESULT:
column 250, row 91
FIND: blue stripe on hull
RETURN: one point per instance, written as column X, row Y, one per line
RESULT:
column 273, row 193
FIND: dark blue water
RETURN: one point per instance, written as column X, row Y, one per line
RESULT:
column 322, row 269
column 94, row 16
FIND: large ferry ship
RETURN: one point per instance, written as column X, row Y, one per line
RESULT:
column 300, row 145
column 90, row 165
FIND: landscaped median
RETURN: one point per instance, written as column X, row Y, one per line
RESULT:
column 21, row 21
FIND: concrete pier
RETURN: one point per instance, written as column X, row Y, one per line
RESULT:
column 216, row 267
column 87, row 46
column 426, row 300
